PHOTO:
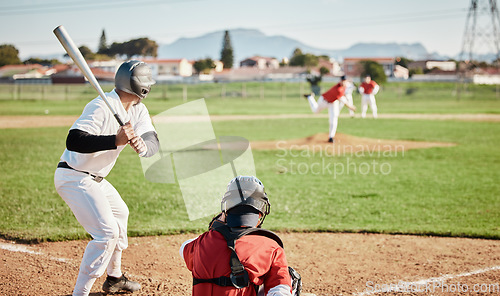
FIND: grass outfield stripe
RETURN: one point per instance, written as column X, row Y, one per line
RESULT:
column 18, row 121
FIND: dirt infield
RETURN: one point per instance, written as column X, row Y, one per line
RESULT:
column 330, row 264
column 345, row 144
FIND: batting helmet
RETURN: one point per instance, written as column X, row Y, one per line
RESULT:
column 246, row 191
column 134, row 77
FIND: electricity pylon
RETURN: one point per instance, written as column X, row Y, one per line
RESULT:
column 481, row 36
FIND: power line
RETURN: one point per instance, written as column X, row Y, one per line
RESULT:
column 71, row 6
column 374, row 21
column 371, row 22
column 389, row 19
column 35, row 6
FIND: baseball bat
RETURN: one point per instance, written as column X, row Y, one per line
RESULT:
column 79, row 60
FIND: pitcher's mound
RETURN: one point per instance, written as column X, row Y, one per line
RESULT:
column 345, row 144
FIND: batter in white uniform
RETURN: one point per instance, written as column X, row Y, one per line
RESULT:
column 93, row 144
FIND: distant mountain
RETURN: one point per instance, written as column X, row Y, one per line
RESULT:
column 414, row 51
column 245, row 42
column 488, row 57
column 437, row 56
column 251, row 42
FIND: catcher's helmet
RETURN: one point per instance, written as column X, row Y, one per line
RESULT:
column 246, row 191
column 134, row 77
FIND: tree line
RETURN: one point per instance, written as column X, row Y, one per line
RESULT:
column 9, row 54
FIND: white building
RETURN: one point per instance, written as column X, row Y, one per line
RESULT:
column 165, row 69
column 442, row 65
column 260, row 63
column 352, row 65
column 401, row 72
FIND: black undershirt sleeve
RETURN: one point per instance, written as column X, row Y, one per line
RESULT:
column 152, row 143
column 83, row 142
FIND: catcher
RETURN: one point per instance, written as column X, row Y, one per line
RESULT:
column 237, row 257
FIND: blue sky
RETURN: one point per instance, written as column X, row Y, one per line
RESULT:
column 330, row 24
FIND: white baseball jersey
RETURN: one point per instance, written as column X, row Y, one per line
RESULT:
column 349, row 88
column 97, row 119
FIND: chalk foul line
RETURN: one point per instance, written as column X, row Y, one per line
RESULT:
column 400, row 286
column 25, row 249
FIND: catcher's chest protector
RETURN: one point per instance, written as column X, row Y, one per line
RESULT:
column 239, row 276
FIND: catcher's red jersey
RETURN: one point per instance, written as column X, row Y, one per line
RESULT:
column 334, row 93
column 208, row 257
column 368, row 87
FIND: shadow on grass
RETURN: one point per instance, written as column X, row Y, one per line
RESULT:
column 365, row 195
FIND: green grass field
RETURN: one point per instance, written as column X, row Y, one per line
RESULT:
column 451, row 191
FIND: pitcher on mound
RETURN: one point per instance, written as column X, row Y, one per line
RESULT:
column 331, row 100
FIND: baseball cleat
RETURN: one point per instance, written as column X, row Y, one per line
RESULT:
column 113, row 285
column 331, row 140
column 307, row 96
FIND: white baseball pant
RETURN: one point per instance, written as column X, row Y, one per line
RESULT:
column 368, row 100
column 99, row 208
column 333, row 111
column 350, row 100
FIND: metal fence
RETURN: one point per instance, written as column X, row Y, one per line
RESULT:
column 254, row 90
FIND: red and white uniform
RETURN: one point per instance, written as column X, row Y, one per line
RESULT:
column 330, row 100
column 334, row 93
column 368, row 91
column 208, row 257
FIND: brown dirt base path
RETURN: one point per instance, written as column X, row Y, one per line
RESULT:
column 330, row 264
column 19, row 121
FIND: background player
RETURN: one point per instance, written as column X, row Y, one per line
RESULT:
column 92, row 146
column 244, row 208
column 314, row 80
column 330, row 100
column 368, row 89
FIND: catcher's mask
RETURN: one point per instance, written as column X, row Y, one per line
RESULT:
column 134, row 77
column 245, row 192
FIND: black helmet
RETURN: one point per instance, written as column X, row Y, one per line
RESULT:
column 246, row 191
column 134, row 77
